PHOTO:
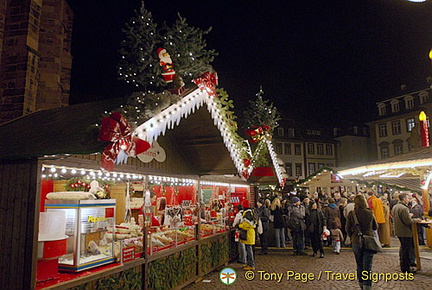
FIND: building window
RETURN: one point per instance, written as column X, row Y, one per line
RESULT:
column 330, row 165
column 297, row 149
column 423, row 97
column 396, row 127
column 398, row 146
column 291, row 132
column 382, row 129
column 410, row 124
column 382, row 109
column 320, row 165
column 384, row 150
column 311, row 168
column 394, row 106
column 287, row 148
column 320, row 149
column 409, row 102
column 355, row 130
column 398, row 150
column 278, row 148
column 329, row 149
column 288, row 167
column 311, row 148
column 298, row 169
column 280, row 132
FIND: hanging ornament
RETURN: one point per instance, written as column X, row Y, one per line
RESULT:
column 116, row 130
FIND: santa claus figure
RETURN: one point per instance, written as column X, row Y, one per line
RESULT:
column 167, row 65
column 174, row 81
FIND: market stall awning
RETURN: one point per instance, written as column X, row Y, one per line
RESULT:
column 405, row 170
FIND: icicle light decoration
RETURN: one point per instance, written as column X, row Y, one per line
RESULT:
column 171, row 116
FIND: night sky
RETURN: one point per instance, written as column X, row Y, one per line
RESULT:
column 326, row 61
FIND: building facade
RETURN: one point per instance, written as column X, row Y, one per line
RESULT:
column 354, row 146
column 396, row 129
column 35, row 56
column 303, row 148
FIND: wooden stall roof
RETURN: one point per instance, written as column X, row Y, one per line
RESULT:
column 71, row 130
column 405, row 170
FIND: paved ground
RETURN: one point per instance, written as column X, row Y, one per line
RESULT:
column 332, row 272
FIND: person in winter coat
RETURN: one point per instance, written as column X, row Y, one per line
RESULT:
column 237, row 221
column 417, row 210
column 249, row 224
column 385, row 228
column 403, row 230
column 375, row 204
column 332, row 214
column 367, row 225
column 264, row 214
column 279, row 222
column 297, row 224
column 315, row 225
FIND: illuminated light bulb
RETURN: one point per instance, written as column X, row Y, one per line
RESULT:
column 83, row 172
column 63, row 170
column 73, row 171
column 53, row 169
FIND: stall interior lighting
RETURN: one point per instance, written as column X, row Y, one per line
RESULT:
column 54, row 171
column 171, row 180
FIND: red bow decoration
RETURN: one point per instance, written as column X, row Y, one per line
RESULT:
column 257, row 133
column 245, row 174
column 246, row 162
column 207, row 80
column 117, row 130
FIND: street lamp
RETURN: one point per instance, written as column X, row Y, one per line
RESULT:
column 417, row 1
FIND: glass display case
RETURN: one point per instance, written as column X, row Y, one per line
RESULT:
column 87, row 223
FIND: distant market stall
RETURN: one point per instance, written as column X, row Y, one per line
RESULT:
column 407, row 172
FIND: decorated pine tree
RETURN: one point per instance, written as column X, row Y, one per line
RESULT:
column 261, row 113
column 187, row 48
column 139, row 63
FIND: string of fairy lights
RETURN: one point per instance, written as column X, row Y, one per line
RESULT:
column 61, row 172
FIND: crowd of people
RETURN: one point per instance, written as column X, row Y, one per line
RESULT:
column 317, row 220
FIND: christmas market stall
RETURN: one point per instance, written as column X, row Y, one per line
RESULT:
column 178, row 190
column 410, row 172
column 326, row 181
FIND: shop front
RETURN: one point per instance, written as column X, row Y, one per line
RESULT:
column 159, row 220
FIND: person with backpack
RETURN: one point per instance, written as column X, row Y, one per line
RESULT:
column 264, row 214
column 249, row 223
column 297, row 225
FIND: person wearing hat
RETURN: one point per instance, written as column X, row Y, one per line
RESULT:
column 297, row 225
column 249, row 223
column 237, row 221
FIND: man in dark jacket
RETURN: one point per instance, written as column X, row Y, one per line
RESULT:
column 297, row 225
column 403, row 230
column 264, row 214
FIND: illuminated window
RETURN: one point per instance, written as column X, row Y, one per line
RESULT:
column 410, row 124
column 384, row 150
column 311, row 168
